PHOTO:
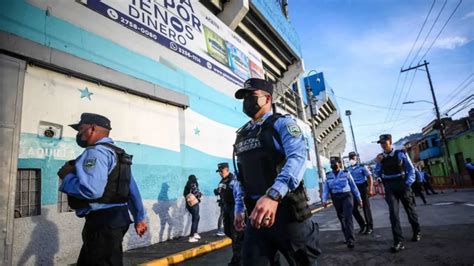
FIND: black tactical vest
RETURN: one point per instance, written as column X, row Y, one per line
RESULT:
column 259, row 163
column 226, row 193
column 117, row 189
column 391, row 165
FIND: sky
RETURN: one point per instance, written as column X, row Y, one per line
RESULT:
column 362, row 45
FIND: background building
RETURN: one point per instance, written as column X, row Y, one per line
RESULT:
column 165, row 73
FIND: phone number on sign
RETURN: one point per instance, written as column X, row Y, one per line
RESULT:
column 134, row 26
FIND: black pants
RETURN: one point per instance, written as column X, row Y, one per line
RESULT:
column 416, row 187
column 428, row 188
column 237, row 237
column 396, row 191
column 102, row 237
column 365, row 207
column 298, row 242
column 194, row 210
column 344, row 204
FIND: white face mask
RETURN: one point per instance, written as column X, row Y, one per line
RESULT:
column 353, row 162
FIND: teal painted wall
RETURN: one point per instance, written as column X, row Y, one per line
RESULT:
column 152, row 168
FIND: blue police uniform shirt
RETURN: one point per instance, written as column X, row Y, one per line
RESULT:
column 339, row 183
column 92, row 169
column 409, row 168
column 420, row 176
column 294, row 147
column 469, row 166
column 359, row 173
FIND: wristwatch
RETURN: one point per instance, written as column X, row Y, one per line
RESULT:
column 273, row 194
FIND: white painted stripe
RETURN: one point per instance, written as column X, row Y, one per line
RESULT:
column 55, row 98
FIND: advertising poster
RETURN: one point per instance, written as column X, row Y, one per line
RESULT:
column 189, row 29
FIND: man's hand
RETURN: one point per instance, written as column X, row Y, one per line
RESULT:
column 263, row 215
column 360, row 204
column 371, row 192
column 67, row 168
column 239, row 221
column 141, row 227
column 379, row 158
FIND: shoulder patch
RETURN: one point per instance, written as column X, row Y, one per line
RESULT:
column 294, row 130
column 89, row 163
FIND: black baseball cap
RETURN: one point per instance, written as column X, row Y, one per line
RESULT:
column 335, row 158
column 352, row 154
column 254, row 84
column 384, row 137
column 222, row 165
column 92, row 119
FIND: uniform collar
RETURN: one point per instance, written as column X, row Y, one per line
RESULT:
column 391, row 153
column 262, row 119
column 105, row 140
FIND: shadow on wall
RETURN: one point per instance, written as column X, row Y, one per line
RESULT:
column 42, row 249
column 174, row 219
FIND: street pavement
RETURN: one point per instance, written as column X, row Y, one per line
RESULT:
column 447, row 224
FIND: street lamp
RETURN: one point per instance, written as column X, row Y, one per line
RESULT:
column 419, row 101
column 313, row 111
column 349, row 113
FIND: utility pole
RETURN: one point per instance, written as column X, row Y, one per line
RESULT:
column 349, row 113
column 312, row 107
column 447, row 161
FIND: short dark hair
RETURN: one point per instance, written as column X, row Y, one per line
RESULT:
column 468, row 160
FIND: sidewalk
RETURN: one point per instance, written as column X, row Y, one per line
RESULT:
column 179, row 249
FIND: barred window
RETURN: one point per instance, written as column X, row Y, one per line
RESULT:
column 28, row 193
column 63, row 206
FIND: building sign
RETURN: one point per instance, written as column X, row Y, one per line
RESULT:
column 189, row 29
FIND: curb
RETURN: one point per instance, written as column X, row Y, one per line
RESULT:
column 200, row 250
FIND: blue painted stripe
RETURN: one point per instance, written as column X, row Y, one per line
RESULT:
column 27, row 21
column 160, row 173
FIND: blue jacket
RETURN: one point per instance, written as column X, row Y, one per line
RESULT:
column 340, row 183
column 90, row 178
column 294, row 147
column 359, row 173
column 409, row 169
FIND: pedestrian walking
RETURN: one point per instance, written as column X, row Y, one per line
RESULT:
column 343, row 190
column 271, row 155
column 417, row 185
column 427, row 184
column 226, row 192
column 193, row 196
column 102, row 190
column 220, row 219
column 470, row 169
column 397, row 172
column 364, row 181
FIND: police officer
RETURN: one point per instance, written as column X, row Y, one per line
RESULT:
column 417, row 185
column 397, row 172
column 225, row 190
column 100, row 188
column 363, row 179
column 343, row 190
column 271, row 155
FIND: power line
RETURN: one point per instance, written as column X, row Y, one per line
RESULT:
column 429, row 32
column 437, row 36
column 375, row 106
column 398, row 97
column 455, row 91
column 406, row 95
column 468, row 99
column 419, row 33
column 464, row 107
column 393, row 95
